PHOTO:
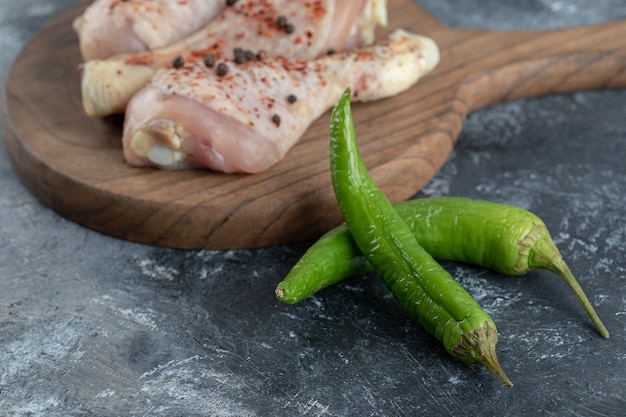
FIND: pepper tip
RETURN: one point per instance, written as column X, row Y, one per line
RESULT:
column 479, row 346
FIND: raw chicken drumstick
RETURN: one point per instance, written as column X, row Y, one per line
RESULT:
column 292, row 28
column 111, row 27
column 246, row 117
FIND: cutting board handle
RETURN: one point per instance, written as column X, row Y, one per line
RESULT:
column 531, row 64
column 480, row 68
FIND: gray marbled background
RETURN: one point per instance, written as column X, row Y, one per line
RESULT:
column 92, row 325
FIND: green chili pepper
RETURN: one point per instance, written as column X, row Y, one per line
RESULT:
column 501, row 237
column 417, row 281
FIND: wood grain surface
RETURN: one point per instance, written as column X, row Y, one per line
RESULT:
column 74, row 164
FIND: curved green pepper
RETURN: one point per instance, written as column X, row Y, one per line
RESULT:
column 501, row 237
column 417, row 281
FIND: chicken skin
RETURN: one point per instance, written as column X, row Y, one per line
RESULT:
column 111, row 27
column 289, row 28
column 244, row 118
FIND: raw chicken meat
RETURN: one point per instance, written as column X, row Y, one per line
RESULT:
column 247, row 119
column 111, row 27
column 292, row 28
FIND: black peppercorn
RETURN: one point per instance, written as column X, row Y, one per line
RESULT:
column 178, row 61
column 239, row 56
column 289, row 28
column 221, row 70
column 249, row 55
column 276, row 119
column 291, row 98
column 230, row 2
column 281, row 21
column 209, row 60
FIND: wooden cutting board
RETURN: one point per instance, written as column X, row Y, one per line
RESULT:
column 74, row 164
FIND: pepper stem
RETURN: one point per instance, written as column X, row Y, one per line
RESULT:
column 479, row 346
column 545, row 254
